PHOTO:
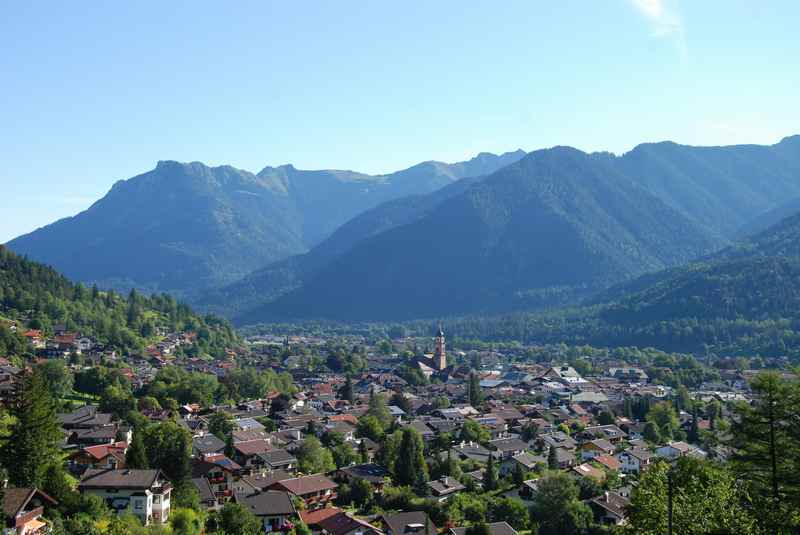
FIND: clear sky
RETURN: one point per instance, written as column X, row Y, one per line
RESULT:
column 94, row 92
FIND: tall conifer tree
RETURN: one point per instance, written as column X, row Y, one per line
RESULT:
column 33, row 442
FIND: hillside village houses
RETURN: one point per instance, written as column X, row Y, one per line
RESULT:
column 529, row 414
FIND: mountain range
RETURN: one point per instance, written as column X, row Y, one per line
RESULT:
column 494, row 234
column 184, row 227
column 558, row 226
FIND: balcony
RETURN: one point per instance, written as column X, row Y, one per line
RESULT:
column 26, row 516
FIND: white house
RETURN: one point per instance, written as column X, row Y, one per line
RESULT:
column 673, row 450
column 145, row 493
column 635, row 460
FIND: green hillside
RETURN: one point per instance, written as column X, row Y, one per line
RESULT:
column 37, row 297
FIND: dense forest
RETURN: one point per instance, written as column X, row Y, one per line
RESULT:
column 38, row 297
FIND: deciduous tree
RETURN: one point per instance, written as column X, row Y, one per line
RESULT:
column 556, row 507
column 706, row 499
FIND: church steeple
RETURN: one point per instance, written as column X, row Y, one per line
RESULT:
column 439, row 356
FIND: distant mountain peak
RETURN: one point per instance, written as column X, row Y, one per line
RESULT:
column 790, row 140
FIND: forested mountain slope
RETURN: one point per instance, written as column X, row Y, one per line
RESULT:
column 36, row 296
column 558, row 224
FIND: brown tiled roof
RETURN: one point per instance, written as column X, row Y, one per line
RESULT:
column 612, row 502
column 344, row 418
column 610, row 462
column 342, row 523
column 312, row 518
column 123, row 479
column 263, row 482
column 300, row 486
column 587, row 470
column 252, row 447
column 15, row 499
column 101, row 451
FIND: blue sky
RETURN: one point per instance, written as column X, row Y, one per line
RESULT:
column 91, row 93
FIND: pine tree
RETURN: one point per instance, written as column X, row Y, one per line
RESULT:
column 519, row 474
column 33, row 441
column 490, row 475
column 475, row 395
column 362, row 451
column 694, row 431
column 627, row 408
column 529, row 431
column 764, row 445
column 347, row 390
column 136, row 456
column 410, row 468
column 552, row 459
column 311, row 428
column 230, row 450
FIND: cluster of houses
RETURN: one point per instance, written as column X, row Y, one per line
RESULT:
column 63, row 343
column 261, row 472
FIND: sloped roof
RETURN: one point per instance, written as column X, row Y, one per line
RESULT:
column 278, row 456
column 204, row 489
column 123, row 479
column 398, row 523
column 301, row 486
column 252, row 447
column 369, row 471
column 312, row 518
column 270, row 502
column 16, row 498
column 495, row 528
column 342, row 523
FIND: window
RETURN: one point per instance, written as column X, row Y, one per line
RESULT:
column 138, row 504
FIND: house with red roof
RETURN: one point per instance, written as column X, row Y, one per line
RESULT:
column 334, row 521
column 35, row 337
column 99, row 456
